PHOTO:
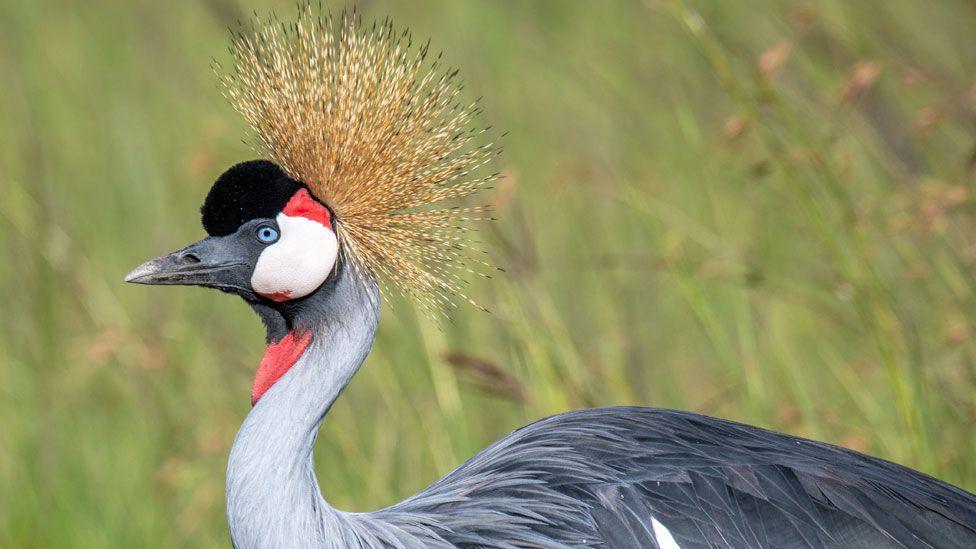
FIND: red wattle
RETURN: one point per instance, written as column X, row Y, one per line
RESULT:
column 278, row 359
column 301, row 204
column 283, row 295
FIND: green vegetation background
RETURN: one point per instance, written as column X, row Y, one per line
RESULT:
column 760, row 210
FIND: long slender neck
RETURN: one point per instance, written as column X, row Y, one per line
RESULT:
column 273, row 497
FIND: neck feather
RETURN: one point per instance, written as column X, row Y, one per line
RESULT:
column 273, row 497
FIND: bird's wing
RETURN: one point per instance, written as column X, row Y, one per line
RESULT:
column 642, row 477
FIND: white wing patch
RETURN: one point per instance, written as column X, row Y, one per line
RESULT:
column 298, row 263
column 663, row 536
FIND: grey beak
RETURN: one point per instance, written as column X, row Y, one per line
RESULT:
column 143, row 273
column 174, row 268
column 211, row 262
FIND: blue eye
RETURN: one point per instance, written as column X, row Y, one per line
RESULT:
column 267, row 234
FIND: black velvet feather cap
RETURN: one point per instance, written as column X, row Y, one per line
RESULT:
column 250, row 190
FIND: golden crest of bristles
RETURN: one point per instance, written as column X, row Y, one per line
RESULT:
column 377, row 131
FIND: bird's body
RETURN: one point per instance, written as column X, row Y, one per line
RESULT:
column 638, row 477
column 607, row 477
column 367, row 142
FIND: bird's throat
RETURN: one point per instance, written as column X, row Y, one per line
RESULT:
column 278, row 359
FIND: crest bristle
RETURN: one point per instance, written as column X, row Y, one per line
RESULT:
column 376, row 132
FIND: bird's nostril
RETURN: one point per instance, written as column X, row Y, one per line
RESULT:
column 190, row 258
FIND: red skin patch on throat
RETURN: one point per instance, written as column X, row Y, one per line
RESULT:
column 283, row 295
column 278, row 359
column 302, row 204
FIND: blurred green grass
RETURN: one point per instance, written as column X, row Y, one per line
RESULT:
column 759, row 210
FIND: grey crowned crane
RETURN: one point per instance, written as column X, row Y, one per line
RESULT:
column 365, row 135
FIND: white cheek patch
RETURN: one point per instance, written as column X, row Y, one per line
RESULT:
column 298, row 263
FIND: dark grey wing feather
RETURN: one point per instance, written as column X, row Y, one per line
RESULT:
column 602, row 477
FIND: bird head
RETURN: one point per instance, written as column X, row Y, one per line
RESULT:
column 368, row 142
column 269, row 239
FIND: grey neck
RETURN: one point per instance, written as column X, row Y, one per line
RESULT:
column 273, row 497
